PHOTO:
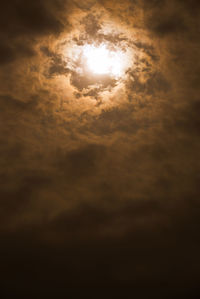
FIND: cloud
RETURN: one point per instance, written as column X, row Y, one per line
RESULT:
column 80, row 245
column 30, row 18
column 22, row 22
column 170, row 25
column 99, row 178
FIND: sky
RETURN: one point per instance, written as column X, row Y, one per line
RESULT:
column 99, row 188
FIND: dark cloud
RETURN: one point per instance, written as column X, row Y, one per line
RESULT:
column 154, row 84
column 12, row 104
column 81, row 163
column 57, row 65
column 26, row 18
column 192, row 5
column 82, row 82
column 10, row 52
column 91, row 25
column 148, row 49
column 22, row 21
column 82, row 249
column 170, row 25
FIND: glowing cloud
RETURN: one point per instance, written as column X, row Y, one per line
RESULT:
column 101, row 61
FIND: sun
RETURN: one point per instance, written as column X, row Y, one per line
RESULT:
column 100, row 60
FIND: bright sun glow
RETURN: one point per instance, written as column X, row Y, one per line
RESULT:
column 102, row 61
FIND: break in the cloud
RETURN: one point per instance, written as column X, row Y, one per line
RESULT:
column 100, row 176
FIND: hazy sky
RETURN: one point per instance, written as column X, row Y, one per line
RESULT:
column 100, row 176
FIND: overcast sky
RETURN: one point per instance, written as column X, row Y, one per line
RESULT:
column 99, row 177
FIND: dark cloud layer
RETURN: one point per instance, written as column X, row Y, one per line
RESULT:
column 99, row 177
